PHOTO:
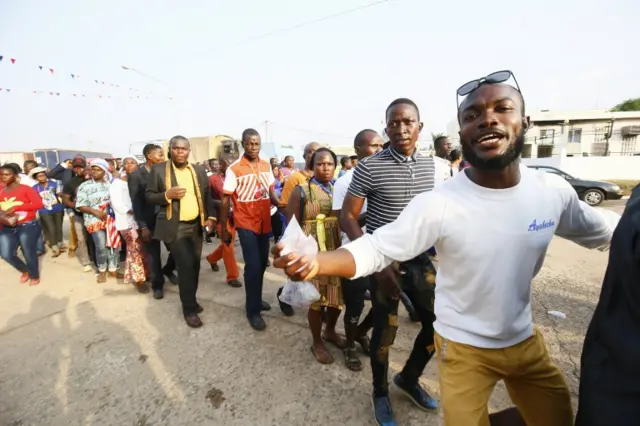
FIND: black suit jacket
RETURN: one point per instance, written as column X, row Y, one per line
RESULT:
column 144, row 212
column 166, row 230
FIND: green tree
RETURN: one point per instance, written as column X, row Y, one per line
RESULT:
column 632, row 104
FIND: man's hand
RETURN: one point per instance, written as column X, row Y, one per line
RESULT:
column 388, row 283
column 295, row 267
column 225, row 237
column 210, row 226
column 9, row 211
column 175, row 193
column 100, row 214
column 145, row 234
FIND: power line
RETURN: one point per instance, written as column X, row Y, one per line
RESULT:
column 300, row 25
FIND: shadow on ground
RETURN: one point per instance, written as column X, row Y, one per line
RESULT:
column 78, row 353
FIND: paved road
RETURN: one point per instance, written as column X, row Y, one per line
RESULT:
column 617, row 205
column 78, row 353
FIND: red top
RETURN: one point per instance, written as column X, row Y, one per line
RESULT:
column 216, row 183
column 24, row 200
column 249, row 187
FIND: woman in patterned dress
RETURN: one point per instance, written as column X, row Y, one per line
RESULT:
column 135, row 265
column 311, row 204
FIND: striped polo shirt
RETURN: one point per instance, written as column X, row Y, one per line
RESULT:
column 389, row 180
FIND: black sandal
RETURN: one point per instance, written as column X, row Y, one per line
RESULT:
column 351, row 360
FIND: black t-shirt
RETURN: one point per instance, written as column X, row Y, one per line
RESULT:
column 71, row 188
column 612, row 344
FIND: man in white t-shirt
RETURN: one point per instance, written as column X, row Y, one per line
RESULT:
column 25, row 178
column 441, row 159
column 491, row 225
column 366, row 143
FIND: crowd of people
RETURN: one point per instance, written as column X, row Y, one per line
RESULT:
column 380, row 222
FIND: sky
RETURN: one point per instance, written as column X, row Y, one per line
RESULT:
column 319, row 82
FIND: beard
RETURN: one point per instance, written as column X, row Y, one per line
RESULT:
column 498, row 162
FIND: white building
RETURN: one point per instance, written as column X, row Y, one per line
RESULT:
column 583, row 133
column 578, row 133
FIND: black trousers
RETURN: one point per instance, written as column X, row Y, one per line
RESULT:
column 276, row 226
column 186, row 250
column 52, row 227
column 353, row 292
column 154, row 257
column 418, row 282
column 609, row 391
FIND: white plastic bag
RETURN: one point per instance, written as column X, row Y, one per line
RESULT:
column 299, row 294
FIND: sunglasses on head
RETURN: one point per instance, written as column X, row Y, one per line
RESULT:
column 494, row 77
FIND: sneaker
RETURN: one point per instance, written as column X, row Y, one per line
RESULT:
column 416, row 394
column 88, row 268
column 382, row 411
column 158, row 294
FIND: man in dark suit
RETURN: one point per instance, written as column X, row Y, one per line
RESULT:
column 181, row 190
column 145, row 215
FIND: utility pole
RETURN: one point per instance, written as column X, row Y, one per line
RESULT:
column 266, row 131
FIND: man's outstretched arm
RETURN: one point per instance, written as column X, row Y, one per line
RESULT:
column 413, row 232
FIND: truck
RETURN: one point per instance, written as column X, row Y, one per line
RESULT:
column 206, row 147
column 49, row 158
column 15, row 157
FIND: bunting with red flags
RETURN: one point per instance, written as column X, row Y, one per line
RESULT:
column 85, row 95
column 75, row 76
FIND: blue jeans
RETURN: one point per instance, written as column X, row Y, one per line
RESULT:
column 24, row 235
column 106, row 257
column 40, row 248
column 255, row 251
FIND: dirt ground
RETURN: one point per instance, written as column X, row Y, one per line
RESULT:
column 74, row 352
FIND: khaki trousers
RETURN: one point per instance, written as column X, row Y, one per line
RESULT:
column 535, row 384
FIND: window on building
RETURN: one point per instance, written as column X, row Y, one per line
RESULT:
column 601, row 133
column 544, row 151
column 628, row 146
column 546, row 136
column 575, row 135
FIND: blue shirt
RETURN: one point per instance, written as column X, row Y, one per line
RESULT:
column 49, row 195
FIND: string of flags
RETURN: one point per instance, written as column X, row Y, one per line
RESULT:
column 76, row 76
column 82, row 95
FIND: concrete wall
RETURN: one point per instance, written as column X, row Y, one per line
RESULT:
column 596, row 168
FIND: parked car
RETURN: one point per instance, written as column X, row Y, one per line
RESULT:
column 592, row 192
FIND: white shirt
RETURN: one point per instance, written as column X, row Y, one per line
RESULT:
column 491, row 243
column 444, row 171
column 340, row 191
column 26, row 180
column 121, row 204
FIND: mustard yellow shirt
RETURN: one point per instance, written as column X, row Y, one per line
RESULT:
column 189, row 209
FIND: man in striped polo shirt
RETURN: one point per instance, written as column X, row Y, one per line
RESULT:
column 387, row 181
